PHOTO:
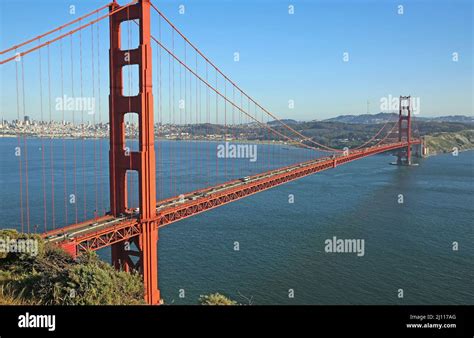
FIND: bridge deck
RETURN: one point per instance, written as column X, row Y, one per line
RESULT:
column 104, row 231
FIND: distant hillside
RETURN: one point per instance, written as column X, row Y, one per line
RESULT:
column 445, row 142
column 384, row 117
column 364, row 118
column 286, row 121
column 331, row 133
column 451, row 118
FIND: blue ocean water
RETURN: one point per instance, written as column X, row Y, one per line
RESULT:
column 408, row 246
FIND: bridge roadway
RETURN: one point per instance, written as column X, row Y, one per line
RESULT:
column 103, row 231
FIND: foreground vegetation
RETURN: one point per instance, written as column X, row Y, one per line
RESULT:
column 52, row 277
column 49, row 276
column 216, row 299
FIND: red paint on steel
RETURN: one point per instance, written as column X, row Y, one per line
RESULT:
column 130, row 227
column 143, row 160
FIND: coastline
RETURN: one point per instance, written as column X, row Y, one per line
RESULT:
column 436, row 144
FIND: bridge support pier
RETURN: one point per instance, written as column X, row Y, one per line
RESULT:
column 145, row 257
column 148, row 242
column 120, row 258
column 419, row 150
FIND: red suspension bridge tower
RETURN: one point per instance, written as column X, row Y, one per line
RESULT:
column 404, row 129
column 145, row 256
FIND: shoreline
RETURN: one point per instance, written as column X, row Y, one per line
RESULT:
column 272, row 142
column 447, row 152
column 267, row 142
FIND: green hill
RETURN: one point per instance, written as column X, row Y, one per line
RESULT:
column 445, row 142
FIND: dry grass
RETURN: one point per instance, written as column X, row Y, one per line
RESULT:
column 8, row 297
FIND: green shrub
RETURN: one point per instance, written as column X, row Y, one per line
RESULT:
column 216, row 299
column 52, row 277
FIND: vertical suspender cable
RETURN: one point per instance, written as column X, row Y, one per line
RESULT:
column 53, row 213
column 84, row 193
column 96, row 211
column 19, row 149
column 64, row 139
column 26, row 148
column 74, row 141
column 43, row 164
column 102, row 205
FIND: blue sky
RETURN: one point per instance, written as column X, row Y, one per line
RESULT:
column 300, row 57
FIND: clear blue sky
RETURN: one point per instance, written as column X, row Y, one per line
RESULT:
column 300, row 56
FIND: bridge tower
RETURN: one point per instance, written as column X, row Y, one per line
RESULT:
column 404, row 129
column 145, row 257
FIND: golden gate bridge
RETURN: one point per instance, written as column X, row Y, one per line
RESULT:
column 185, row 88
